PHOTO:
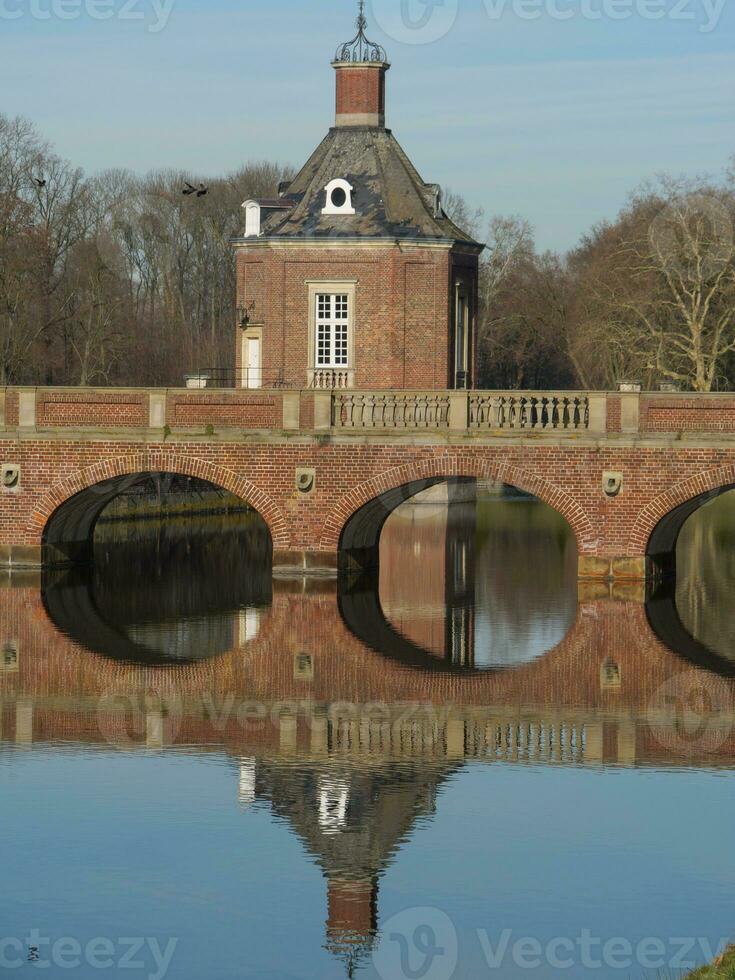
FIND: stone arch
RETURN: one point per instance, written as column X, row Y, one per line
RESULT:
column 377, row 497
column 104, row 480
column 659, row 524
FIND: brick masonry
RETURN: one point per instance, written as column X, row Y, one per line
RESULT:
column 682, row 414
column 360, row 90
column 218, row 410
column 235, row 439
column 350, row 473
column 97, row 408
column 400, row 321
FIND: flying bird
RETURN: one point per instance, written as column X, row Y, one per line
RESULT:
column 189, row 189
column 40, row 181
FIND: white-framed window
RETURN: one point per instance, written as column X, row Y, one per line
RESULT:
column 332, row 341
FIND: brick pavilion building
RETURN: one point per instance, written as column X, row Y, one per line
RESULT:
column 354, row 276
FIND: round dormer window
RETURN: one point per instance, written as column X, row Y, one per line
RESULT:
column 338, row 197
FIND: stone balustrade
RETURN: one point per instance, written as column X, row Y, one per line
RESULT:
column 346, row 410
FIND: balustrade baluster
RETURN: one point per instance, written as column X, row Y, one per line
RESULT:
column 393, row 411
column 431, row 410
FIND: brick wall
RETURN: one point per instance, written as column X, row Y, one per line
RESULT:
column 361, row 90
column 566, row 475
column 96, row 409
column 682, row 414
column 614, row 414
column 252, row 411
column 400, row 321
column 11, row 407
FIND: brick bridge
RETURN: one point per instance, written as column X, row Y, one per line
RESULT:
column 324, row 469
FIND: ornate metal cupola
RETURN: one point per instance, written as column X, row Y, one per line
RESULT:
column 361, row 66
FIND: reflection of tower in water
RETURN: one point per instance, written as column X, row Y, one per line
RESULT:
column 431, row 539
column 352, row 815
column 460, row 575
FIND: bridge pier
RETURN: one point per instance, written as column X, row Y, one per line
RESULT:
column 609, row 569
column 302, row 562
column 20, row 556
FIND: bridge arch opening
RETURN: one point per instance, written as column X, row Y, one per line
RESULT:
column 661, row 550
column 66, row 518
column 157, row 568
column 468, row 575
column 692, row 555
column 362, row 525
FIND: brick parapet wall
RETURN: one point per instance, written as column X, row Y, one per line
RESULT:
column 688, row 413
column 614, row 414
column 11, row 408
column 100, row 408
column 224, row 410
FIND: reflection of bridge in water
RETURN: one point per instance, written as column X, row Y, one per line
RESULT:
column 347, row 744
column 590, row 699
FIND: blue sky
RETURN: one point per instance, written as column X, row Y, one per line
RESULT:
column 556, row 120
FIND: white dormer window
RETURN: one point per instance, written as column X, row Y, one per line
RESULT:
column 339, row 197
column 252, row 219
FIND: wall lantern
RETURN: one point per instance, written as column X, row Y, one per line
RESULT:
column 243, row 315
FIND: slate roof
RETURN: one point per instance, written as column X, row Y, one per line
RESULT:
column 390, row 198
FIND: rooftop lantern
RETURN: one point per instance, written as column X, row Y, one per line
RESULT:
column 361, row 65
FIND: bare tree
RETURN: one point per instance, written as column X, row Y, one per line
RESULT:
column 656, row 290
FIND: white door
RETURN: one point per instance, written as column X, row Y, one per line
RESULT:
column 253, row 374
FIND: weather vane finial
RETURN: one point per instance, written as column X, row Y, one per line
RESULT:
column 359, row 49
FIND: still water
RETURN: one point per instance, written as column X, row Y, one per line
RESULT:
column 466, row 768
